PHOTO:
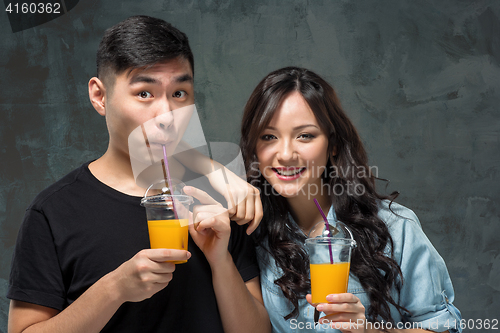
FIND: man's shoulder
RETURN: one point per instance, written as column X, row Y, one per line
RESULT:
column 59, row 188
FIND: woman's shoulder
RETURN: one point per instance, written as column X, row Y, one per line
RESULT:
column 403, row 224
column 394, row 215
column 405, row 228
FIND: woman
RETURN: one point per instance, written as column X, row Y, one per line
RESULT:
column 298, row 144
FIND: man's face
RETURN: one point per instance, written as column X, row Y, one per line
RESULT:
column 143, row 94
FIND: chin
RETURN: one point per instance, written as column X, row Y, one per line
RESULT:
column 287, row 192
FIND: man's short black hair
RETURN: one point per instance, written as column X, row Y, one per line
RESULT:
column 140, row 41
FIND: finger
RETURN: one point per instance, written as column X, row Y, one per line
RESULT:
column 309, row 300
column 202, row 196
column 204, row 217
column 242, row 206
column 162, row 255
column 231, row 201
column 216, row 224
column 202, row 212
column 258, row 214
column 158, row 278
column 350, row 309
column 334, row 308
column 193, row 230
column 163, row 268
column 344, row 298
column 244, row 211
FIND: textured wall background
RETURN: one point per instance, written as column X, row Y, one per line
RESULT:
column 420, row 79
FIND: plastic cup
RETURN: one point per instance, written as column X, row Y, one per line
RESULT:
column 330, row 260
column 168, row 229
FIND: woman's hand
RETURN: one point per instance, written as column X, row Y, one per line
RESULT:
column 344, row 312
column 243, row 199
column 211, row 227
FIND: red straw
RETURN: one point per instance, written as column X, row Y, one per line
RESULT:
column 168, row 180
column 329, row 230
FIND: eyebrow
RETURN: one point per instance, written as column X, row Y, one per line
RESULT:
column 143, row 79
column 295, row 128
column 183, row 78
column 151, row 80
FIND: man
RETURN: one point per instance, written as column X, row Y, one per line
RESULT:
column 82, row 262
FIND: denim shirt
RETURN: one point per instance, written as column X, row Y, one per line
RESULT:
column 427, row 291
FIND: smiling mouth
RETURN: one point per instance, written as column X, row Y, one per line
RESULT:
column 288, row 173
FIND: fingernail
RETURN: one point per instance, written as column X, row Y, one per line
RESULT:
column 331, row 298
column 320, row 307
column 189, row 255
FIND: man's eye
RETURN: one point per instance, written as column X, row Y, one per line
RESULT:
column 179, row 94
column 145, row 94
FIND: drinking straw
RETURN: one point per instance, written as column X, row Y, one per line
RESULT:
column 329, row 230
column 168, row 179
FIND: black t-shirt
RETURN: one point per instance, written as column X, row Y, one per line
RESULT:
column 78, row 230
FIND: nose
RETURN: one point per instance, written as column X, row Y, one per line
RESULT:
column 165, row 116
column 286, row 151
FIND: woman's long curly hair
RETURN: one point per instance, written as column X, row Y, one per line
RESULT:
column 357, row 205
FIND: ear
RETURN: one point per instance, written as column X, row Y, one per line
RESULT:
column 97, row 95
column 332, row 153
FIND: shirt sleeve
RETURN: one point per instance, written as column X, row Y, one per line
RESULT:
column 242, row 249
column 35, row 275
column 427, row 291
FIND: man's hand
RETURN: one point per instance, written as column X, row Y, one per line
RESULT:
column 146, row 273
column 211, row 227
column 243, row 200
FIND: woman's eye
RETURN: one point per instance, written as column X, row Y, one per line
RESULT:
column 179, row 94
column 306, row 136
column 145, row 94
column 267, row 137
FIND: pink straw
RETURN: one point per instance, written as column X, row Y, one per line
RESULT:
column 329, row 230
column 168, row 180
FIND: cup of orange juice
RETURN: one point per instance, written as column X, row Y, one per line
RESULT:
column 168, row 220
column 329, row 260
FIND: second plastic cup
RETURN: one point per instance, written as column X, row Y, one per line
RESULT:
column 166, row 230
column 330, row 260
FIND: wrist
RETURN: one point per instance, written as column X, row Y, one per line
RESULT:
column 221, row 263
column 110, row 287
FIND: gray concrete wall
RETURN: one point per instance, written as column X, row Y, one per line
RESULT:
column 420, row 79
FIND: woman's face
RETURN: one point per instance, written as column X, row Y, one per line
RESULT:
column 292, row 149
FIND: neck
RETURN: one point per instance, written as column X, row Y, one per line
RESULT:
column 304, row 210
column 114, row 169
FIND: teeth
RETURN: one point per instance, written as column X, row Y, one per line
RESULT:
column 289, row 172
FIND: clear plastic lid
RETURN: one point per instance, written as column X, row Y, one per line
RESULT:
column 160, row 193
column 334, row 229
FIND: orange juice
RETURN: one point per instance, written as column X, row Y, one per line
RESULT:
column 169, row 234
column 328, row 279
